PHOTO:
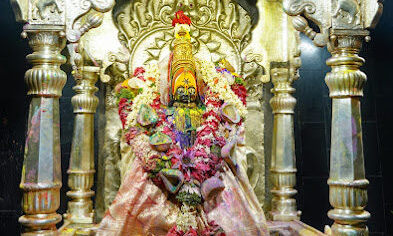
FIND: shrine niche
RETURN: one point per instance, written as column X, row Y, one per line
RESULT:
column 183, row 116
column 213, row 37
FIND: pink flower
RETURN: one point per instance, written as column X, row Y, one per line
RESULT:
column 175, row 232
column 202, row 166
column 240, row 91
column 174, row 151
column 213, row 123
column 205, row 142
column 142, row 78
column 124, row 108
column 150, row 163
column 201, row 153
column 211, row 113
column 131, row 134
column 221, row 141
column 139, row 70
column 191, row 232
column 206, row 131
column 156, row 104
column 198, row 175
column 213, row 229
column 167, row 131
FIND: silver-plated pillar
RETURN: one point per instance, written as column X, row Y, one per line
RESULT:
column 343, row 25
column 283, row 161
column 81, row 170
column 348, row 186
column 41, row 175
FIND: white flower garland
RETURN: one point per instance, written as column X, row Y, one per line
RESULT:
column 187, row 218
column 152, row 71
column 147, row 96
column 219, row 85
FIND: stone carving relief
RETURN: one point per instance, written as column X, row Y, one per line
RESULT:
column 346, row 14
column 84, row 15
column 77, row 16
column 308, row 8
column 221, row 28
column 332, row 15
column 255, row 123
column 115, row 70
column 252, row 72
column 47, row 11
column 44, row 8
column 351, row 8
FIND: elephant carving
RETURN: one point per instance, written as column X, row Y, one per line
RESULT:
column 44, row 5
column 350, row 6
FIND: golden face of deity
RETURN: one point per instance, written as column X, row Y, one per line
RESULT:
column 185, row 87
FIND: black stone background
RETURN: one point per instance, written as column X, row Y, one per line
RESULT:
column 312, row 126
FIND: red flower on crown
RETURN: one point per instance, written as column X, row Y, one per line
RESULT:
column 180, row 18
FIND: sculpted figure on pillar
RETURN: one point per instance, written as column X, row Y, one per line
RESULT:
column 183, row 119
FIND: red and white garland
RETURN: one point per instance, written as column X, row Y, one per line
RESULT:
column 213, row 131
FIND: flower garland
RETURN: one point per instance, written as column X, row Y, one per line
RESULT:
column 197, row 163
column 212, row 229
column 220, row 85
column 205, row 161
column 146, row 83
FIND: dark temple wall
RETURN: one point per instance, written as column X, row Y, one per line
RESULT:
column 312, row 126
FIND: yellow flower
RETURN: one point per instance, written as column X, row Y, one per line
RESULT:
column 125, row 83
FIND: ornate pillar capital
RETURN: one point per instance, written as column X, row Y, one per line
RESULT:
column 43, row 39
column 75, row 16
column 283, row 102
column 332, row 16
column 345, row 79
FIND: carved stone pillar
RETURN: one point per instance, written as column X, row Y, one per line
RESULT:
column 41, row 176
column 343, row 25
column 81, row 170
column 283, row 161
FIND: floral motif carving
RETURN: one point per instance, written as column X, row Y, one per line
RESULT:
column 252, row 72
column 80, row 18
column 312, row 12
column 298, row 7
column 220, row 27
column 332, row 14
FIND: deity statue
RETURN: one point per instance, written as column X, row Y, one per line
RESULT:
column 183, row 118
